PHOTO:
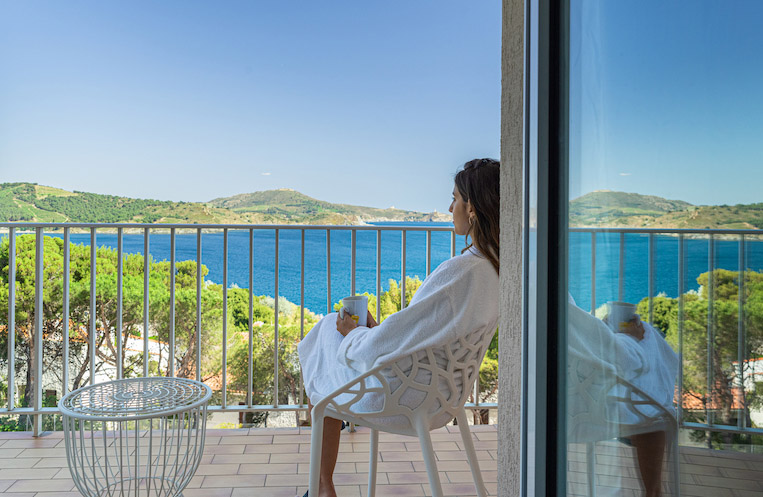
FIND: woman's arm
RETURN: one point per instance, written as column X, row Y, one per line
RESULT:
column 451, row 303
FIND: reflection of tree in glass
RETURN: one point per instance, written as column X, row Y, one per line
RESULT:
column 727, row 400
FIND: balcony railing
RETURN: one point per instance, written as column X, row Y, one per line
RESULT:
column 98, row 336
column 677, row 249
column 610, row 253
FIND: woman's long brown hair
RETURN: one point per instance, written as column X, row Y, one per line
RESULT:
column 479, row 184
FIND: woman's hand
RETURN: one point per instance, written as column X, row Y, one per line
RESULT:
column 634, row 328
column 371, row 321
column 345, row 325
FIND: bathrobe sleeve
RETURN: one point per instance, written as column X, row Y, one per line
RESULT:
column 459, row 297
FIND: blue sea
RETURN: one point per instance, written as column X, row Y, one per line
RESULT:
column 636, row 267
column 316, row 298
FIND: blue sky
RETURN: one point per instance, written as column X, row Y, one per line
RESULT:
column 357, row 102
column 372, row 103
column 667, row 99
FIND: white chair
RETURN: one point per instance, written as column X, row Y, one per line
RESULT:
column 605, row 406
column 420, row 392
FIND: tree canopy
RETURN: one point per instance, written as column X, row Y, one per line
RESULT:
column 713, row 383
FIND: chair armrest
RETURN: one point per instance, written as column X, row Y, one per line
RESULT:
column 646, row 400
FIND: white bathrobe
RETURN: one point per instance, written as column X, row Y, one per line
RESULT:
column 459, row 299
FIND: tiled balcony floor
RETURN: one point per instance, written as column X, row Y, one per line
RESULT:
column 274, row 462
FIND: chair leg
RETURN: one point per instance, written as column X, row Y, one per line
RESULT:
column 471, row 454
column 373, row 458
column 590, row 459
column 316, row 446
column 427, row 450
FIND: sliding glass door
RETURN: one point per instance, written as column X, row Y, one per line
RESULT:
column 645, row 263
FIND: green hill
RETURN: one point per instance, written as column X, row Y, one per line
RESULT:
column 620, row 209
column 35, row 203
column 299, row 208
column 605, row 207
column 749, row 216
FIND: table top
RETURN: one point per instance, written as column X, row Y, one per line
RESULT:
column 135, row 398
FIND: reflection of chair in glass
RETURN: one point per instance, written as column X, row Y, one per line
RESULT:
column 418, row 393
column 605, row 406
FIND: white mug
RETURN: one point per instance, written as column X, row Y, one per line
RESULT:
column 357, row 306
column 619, row 313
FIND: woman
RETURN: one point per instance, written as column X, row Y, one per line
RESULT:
column 459, row 298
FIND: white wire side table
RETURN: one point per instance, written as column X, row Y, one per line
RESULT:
column 135, row 437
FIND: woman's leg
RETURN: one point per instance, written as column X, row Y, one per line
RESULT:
column 332, row 428
column 650, row 451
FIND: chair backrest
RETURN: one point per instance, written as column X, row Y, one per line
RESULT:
column 601, row 405
column 433, row 383
column 589, row 382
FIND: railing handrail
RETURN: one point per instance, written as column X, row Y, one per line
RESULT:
column 671, row 231
column 364, row 227
column 190, row 226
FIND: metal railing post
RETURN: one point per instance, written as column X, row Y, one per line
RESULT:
column 119, row 331
column 199, row 276
column 621, row 270
column 329, row 305
column 651, row 278
column 250, row 346
column 593, row 273
column 171, row 358
column 11, row 318
column 301, row 310
column 225, row 320
column 710, row 335
column 275, row 334
column 741, row 332
column 402, row 270
column 38, row 328
column 146, row 275
column 93, row 332
column 378, row 276
column 65, row 323
column 353, row 254
column 681, row 290
column 429, row 252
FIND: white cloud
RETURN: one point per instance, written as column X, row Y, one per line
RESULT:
column 625, row 174
column 266, row 174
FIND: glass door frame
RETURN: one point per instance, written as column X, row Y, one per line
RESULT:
column 545, row 287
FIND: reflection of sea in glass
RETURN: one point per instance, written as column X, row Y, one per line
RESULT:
column 640, row 114
column 636, row 267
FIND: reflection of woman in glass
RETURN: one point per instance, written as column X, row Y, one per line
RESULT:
column 640, row 356
column 458, row 299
